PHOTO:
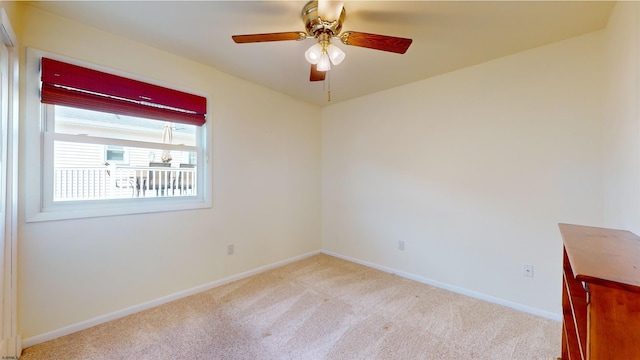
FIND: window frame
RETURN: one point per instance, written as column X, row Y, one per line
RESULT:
column 39, row 205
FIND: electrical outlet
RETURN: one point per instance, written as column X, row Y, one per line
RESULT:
column 527, row 270
column 230, row 249
column 401, row 245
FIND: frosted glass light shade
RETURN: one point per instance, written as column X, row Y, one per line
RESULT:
column 313, row 54
column 335, row 54
column 324, row 64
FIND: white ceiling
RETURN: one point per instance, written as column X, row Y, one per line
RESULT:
column 447, row 35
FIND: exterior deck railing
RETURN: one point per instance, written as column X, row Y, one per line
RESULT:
column 116, row 182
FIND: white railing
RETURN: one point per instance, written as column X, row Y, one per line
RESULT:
column 114, row 182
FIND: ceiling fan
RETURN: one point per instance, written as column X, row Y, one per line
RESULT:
column 323, row 21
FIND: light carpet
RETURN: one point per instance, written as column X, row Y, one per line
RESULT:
column 317, row 308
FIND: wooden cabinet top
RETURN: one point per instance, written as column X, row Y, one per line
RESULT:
column 602, row 256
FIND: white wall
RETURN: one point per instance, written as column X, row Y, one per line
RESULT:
column 473, row 170
column 621, row 122
column 266, row 163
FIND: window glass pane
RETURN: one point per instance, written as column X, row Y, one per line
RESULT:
column 81, row 174
column 93, row 123
column 115, row 155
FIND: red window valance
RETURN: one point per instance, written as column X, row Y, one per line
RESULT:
column 76, row 86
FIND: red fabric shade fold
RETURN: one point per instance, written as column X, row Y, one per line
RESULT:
column 75, row 86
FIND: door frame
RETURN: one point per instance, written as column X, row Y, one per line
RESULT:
column 11, row 343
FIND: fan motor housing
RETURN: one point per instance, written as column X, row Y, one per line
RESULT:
column 315, row 25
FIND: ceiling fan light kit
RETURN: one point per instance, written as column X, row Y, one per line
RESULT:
column 324, row 54
column 324, row 64
column 323, row 21
column 313, row 54
column 335, row 54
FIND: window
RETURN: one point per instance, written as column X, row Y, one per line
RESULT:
column 88, row 165
column 116, row 155
column 114, row 145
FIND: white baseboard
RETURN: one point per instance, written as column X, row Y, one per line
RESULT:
column 153, row 303
column 452, row 288
column 179, row 295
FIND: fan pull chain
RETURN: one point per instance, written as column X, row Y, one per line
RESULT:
column 328, row 81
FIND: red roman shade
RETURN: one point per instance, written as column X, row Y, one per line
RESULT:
column 80, row 87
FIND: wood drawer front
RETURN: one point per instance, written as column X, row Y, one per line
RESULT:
column 614, row 324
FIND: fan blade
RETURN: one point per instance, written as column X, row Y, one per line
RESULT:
column 315, row 74
column 378, row 42
column 330, row 10
column 253, row 38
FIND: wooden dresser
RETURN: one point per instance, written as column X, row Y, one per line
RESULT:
column 601, row 294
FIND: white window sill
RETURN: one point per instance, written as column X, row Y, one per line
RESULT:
column 89, row 209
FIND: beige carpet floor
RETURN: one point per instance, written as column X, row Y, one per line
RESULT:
column 317, row 308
